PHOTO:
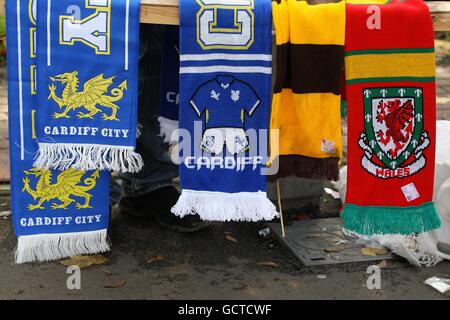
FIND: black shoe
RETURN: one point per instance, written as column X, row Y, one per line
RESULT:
column 137, row 206
column 157, row 204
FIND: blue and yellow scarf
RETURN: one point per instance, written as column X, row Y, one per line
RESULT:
column 86, row 84
column 225, row 78
column 63, row 213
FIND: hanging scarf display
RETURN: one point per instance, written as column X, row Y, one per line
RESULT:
column 225, row 78
column 87, row 76
column 306, row 100
column 391, row 96
column 56, row 214
column 170, row 79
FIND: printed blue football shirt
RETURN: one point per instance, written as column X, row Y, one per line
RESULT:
column 223, row 100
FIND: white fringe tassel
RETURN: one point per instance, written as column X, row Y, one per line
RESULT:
column 88, row 157
column 220, row 206
column 48, row 247
column 168, row 129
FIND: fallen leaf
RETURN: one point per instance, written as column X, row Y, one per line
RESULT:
column 119, row 284
column 85, row 261
column 300, row 217
column 155, row 258
column 268, row 264
column 442, row 100
column 383, row 264
column 337, row 248
column 373, row 252
column 103, row 270
column 239, row 286
column 5, row 213
column 231, row 238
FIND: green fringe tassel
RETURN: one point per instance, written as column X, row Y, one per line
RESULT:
column 370, row 220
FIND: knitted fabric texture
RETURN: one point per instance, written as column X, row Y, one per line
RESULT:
column 391, row 92
column 306, row 100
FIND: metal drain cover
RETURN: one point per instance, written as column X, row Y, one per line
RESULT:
column 309, row 241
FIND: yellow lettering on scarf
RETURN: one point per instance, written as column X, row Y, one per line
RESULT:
column 32, row 16
column 33, row 124
column 33, row 79
column 210, row 35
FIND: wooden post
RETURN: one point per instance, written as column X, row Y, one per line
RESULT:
column 280, row 209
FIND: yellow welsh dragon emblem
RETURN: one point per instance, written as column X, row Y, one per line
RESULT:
column 94, row 94
column 67, row 185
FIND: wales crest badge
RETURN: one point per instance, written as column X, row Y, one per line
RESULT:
column 393, row 140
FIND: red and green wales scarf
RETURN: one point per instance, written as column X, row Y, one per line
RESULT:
column 391, row 92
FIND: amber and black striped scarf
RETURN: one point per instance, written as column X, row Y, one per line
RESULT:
column 306, row 101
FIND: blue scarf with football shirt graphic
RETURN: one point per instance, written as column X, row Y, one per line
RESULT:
column 87, row 71
column 225, row 79
column 56, row 214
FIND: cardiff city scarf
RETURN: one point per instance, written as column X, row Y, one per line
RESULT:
column 56, row 214
column 225, row 78
column 87, row 76
column 306, row 100
column 391, row 92
column 170, row 88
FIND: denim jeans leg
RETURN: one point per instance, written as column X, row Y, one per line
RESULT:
column 158, row 169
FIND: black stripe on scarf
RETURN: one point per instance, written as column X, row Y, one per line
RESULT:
column 309, row 68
